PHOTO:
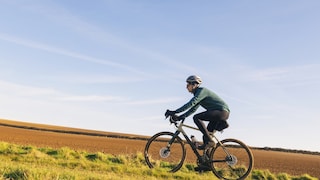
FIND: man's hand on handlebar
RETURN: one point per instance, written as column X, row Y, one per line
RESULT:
column 180, row 118
column 173, row 117
column 169, row 113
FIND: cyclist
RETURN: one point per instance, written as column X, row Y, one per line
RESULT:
column 217, row 111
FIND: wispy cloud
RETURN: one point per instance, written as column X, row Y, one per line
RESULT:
column 289, row 75
column 101, row 35
column 99, row 79
column 92, row 98
column 32, row 92
column 154, row 101
column 25, row 90
column 56, row 50
column 66, row 18
column 44, row 94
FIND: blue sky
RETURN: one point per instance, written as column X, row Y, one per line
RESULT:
column 116, row 65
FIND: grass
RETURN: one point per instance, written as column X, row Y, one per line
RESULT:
column 28, row 162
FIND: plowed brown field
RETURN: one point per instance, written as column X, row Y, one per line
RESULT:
column 117, row 143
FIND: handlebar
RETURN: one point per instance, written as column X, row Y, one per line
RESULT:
column 174, row 119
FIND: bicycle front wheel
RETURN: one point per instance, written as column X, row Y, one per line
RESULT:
column 165, row 150
column 231, row 160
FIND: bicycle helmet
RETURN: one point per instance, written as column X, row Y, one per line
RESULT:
column 194, row 79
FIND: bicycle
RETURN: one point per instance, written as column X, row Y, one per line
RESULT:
column 230, row 159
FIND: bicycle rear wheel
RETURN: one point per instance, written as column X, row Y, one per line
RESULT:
column 160, row 153
column 232, row 160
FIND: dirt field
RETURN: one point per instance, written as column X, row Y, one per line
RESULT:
column 115, row 143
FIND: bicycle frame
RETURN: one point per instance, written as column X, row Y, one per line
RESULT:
column 193, row 147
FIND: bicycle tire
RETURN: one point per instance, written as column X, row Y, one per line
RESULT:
column 158, row 155
column 236, row 165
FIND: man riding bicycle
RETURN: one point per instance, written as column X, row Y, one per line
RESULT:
column 217, row 111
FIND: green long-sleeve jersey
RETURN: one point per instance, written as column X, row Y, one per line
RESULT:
column 205, row 98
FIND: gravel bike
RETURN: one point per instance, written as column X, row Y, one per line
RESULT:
column 230, row 159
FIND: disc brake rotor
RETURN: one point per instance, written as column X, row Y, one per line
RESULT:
column 164, row 152
column 231, row 160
